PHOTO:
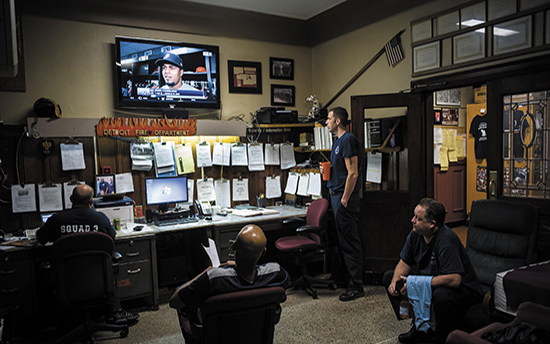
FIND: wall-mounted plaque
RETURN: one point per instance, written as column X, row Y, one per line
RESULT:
column 512, row 35
column 469, row 46
column 447, row 23
column 421, row 30
column 426, row 57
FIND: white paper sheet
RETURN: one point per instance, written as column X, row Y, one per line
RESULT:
column 314, row 186
column 256, row 157
column 303, row 183
column 438, row 135
column 164, row 155
column 50, row 198
column 238, row 155
column 68, row 191
column 212, row 253
column 273, row 187
column 204, row 157
column 222, row 154
column 240, row 189
column 124, row 183
column 142, row 165
column 287, row 156
column 23, row 199
column 72, row 156
column 223, row 193
column 184, row 159
column 272, row 154
column 374, row 167
column 205, row 190
column 292, row 183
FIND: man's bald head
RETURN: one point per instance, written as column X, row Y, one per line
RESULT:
column 82, row 196
column 250, row 244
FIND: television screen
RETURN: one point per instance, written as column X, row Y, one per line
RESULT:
column 165, row 190
column 155, row 73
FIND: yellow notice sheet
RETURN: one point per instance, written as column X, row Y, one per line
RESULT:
column 443, row 161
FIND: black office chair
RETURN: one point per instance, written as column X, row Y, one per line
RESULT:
column 247, row 316
column 84, row 270
column 501, row 235
column 310, row 241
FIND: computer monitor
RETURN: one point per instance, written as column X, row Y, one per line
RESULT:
column 165, row 190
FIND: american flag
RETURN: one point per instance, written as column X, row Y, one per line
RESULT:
column 394, row 51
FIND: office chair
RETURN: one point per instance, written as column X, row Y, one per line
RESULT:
column 247, row 316
column 501, row 235
column 311, row 240
column 528, row 313
column 84, row 271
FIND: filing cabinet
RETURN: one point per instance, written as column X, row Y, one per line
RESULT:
column 17, row 284
column 137, row 275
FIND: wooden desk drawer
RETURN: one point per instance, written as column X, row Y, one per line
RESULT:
column 15, row 267
column 135, row 279
column 19, row 293
column 134, row 250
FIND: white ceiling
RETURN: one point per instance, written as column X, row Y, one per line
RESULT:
column 297, row 9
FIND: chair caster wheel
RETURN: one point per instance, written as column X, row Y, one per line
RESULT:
column 124, row 333
column 332, row 286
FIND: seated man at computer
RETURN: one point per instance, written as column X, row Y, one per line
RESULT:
column 82, row 217
column 243, row 273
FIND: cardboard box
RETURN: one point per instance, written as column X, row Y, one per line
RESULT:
column 306, row 137
column 480, row 94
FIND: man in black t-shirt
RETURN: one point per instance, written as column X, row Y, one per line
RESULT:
column 438, row 254
column 82, row 217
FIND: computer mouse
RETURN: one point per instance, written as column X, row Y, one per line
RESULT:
column 138, row 228
column 208, row 218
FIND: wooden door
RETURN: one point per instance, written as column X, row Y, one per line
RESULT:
column 384, row 217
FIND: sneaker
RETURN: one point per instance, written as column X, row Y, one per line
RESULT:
column 353, row 293
column 414, row 336
column 122, row 317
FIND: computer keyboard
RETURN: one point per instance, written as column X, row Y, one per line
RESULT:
column 175, row 222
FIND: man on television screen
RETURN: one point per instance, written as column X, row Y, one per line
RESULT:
column 172, row 72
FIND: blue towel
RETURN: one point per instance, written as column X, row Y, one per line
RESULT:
column 419, row 291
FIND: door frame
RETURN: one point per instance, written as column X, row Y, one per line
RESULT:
column 513, row 77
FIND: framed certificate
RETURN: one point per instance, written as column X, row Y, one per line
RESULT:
column 447, row 23
column 512, row 35
column 426, row 57
column 421, row 30
column 469, row 46
column 472, row 15
column 501, row 8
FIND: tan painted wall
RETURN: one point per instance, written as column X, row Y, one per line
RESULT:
column 73, row 63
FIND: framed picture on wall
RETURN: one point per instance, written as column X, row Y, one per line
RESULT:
column 449, row 116
column 437, row 119
column 245, row 77
column 448, row 97
column 281, row 68
column 283, row 95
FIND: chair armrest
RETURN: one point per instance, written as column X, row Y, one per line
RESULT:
column 308, row 229
column 116, row 257
column 461, row 337
column 294, row 220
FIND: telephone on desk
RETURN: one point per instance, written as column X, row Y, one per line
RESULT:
column 204, row 209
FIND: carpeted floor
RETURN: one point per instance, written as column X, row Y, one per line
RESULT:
column 304, row 320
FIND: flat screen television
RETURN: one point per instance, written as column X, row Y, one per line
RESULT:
column 165, row 190
column 161, row 74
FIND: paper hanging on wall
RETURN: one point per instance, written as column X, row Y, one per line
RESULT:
column 238, row 155
column 23, row 199
column 222, row 154
column 222, row 189
column 272, row 154
column 205, row 190
column 49, row 197
column 240, row 189
column 204, row 157
column 291, row 183
column 287, row 156
column 314, row 186
column 68, row 188
column 184, row 159
column 273, row 187
column 303, row 183
column 72, row 156
column 374, row 167
column 124, row 183
column 256, row 157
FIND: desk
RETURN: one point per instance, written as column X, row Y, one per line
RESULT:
column 151, row 258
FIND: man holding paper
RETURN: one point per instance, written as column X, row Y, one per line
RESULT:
column 345, row 159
